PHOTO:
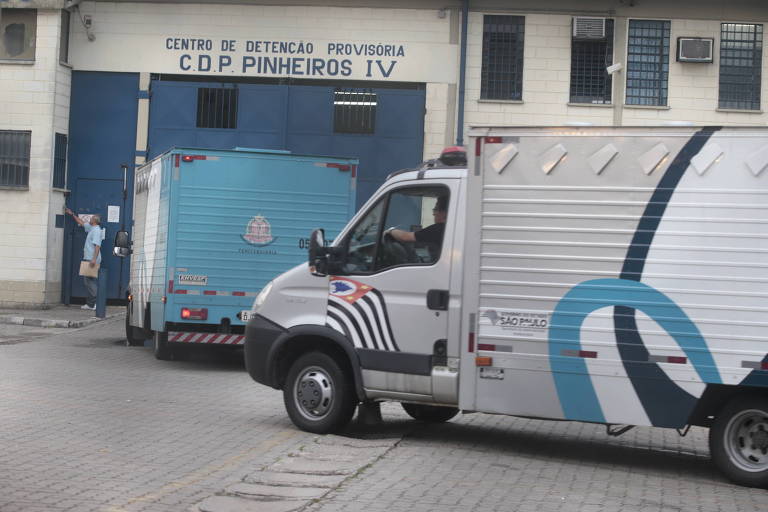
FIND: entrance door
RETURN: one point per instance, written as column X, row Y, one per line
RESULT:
column 94, row 196
column 390, row 296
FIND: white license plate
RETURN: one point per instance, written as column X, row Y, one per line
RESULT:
column 245, row 315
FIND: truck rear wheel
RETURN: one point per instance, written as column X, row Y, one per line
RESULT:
column 133, row 335
column 318, row 394
column 160, row 343
column 738, row 441
column 430, row 413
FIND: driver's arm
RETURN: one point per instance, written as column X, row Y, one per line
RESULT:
column 402, row 236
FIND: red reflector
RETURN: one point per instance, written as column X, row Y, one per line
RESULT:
column 483, row 361
column 493, row 140
column 677, row 359
column 354, row 171
column 177, row 160
column 170, row 286
column 194, row 314
column 191, row 158
column 471, row 345
column 238, row 294
column 209, row 292
column 588, row 353
column 764, row 366
column 341, row 167
column 478, row 145
column 182, row 292
column 486, row 346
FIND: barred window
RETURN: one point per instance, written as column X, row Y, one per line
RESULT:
column 60, row 161
column 217, row 108
column 14, row 158
column 648, row 62
column 590, row 82
column 502, row 61
column 18, row 31
column 354, row 111
column 741, row 55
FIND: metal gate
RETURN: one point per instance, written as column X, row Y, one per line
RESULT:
column 380, row 125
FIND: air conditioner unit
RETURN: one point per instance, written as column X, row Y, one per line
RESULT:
column 695, row 49
column 588, row 28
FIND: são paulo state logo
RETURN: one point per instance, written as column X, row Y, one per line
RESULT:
column 258, row 232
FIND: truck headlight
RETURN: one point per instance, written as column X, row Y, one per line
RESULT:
column 262, row 296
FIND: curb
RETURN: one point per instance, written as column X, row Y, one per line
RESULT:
column 42, row 322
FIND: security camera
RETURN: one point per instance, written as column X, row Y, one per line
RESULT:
column 613, row 68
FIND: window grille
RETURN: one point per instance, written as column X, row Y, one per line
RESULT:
column 18, row 31
column 590, row 82
column 502, row 61
column 14, row 158
column 217, row 108
column 741, row 58
column 648, row 62
column 60, row 161
column 354, row 111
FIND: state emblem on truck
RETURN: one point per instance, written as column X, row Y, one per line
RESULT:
column 258, row 232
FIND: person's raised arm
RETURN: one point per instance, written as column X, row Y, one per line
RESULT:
column 77, row 219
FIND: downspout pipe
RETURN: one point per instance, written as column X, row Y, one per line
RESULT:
column 462, row 73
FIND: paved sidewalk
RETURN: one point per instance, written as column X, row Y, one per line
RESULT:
column 57, row 316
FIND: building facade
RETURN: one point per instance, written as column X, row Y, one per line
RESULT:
column 90, row 89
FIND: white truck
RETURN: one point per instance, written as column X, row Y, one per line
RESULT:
column 598, row 274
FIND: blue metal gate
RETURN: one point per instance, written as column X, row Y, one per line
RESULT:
column 299, row 118
column 102, row 137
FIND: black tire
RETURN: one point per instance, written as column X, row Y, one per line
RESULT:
column 738, row 441
column 430, row 413
column 134, row 336
column 160, row 343
column 318, row 394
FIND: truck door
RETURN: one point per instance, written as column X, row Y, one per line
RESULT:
column 390, row 298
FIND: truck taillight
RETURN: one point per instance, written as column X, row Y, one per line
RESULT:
column 192, row 158
column 194, row 313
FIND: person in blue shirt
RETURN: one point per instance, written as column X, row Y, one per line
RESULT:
column 91, row 254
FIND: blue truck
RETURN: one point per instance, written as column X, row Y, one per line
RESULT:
column 212, row 227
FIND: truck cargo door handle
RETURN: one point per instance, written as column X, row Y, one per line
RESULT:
column 437, row 299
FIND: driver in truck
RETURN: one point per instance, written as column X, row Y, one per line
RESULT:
column 431, row 236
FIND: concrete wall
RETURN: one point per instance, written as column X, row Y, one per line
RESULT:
column 34, row 97
column 693, row 88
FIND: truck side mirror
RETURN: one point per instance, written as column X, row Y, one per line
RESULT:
column 122, row 244
column 318, row 254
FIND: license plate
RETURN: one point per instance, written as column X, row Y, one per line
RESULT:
column 245, row 315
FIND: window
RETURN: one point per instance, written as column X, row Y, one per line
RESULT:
column 590, row 82
column 502, row 62
column 421, row 211
column 18, row 29
column 354, row 111
column 64, row 37
column 648, row 62
column 14, row 158
column 60, row 161
column 216, row 108
column 741, row 56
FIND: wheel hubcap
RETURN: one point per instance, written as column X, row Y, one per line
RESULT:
column 313, row 393
column 747, row 440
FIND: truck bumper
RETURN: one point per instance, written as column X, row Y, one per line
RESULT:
column 260, row 337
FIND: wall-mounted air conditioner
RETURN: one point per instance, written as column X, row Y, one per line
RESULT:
column 695, row 49
column 588, row 28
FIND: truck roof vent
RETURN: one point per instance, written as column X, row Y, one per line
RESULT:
column 588, row 28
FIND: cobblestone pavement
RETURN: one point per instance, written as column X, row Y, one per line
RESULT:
column 89, row 424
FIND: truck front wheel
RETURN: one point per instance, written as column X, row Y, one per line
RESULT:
column 738, row 441
column 430, row 413
column 318, row 394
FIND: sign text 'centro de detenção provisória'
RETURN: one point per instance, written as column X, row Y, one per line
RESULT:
column 292, row 58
